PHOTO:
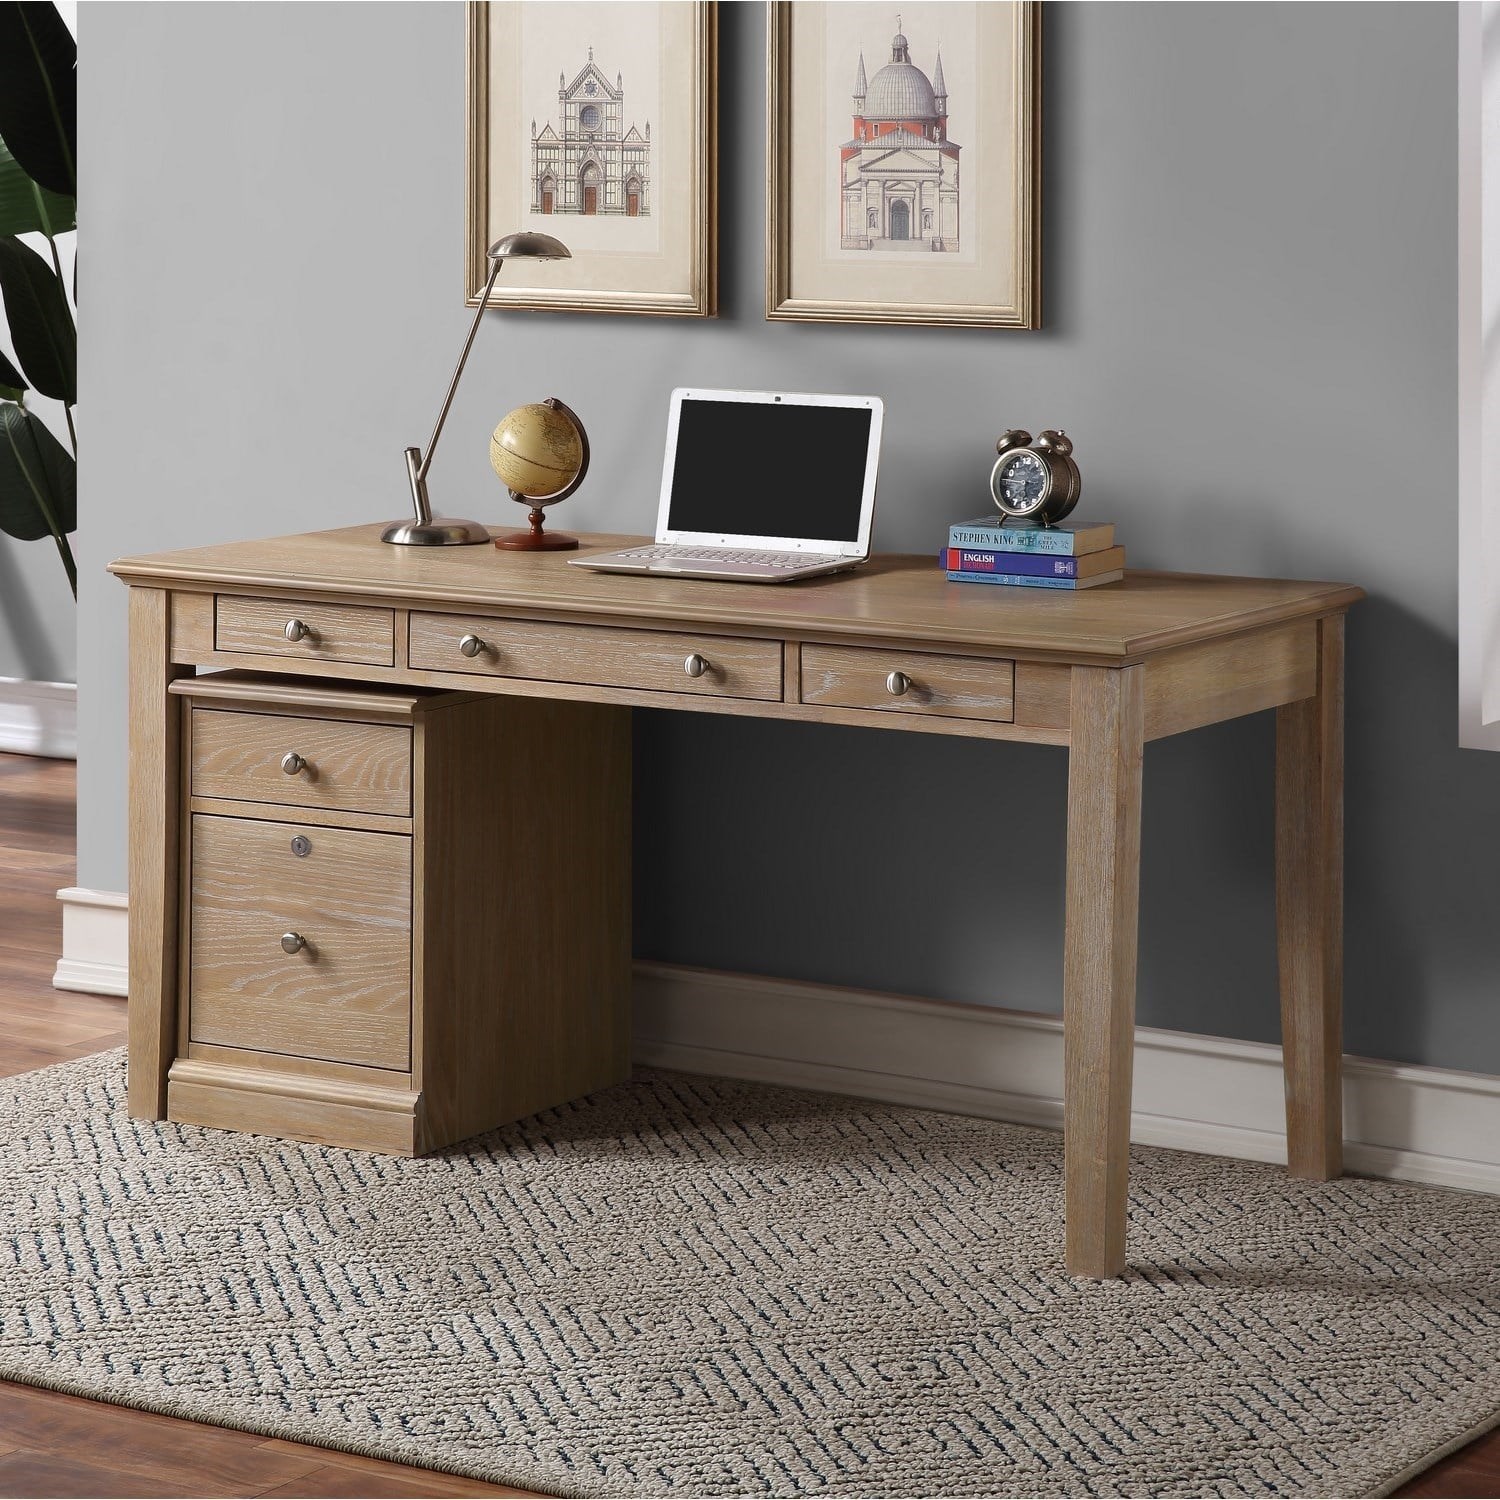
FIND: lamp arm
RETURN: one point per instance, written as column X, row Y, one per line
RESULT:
column 463, row 359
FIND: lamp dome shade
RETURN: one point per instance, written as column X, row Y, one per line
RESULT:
column 529, row 247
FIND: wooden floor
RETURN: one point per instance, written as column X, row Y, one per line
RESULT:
column 53, row 1445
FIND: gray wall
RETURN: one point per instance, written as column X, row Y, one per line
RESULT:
column 1250, row 307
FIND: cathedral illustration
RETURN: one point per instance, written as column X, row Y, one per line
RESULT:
column 898, row 177
column 592, row 164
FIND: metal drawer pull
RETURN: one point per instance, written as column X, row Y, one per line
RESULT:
column 292, row 763
column 292, row 942
column 897, row 684
column 470, row 646
column 696, row 666
column 298, row 630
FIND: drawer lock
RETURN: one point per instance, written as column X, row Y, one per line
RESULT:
column 301, row 846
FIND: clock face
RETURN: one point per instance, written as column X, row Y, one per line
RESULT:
column 1022, row 483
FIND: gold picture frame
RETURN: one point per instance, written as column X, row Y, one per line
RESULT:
column 815, row 271
column 675, row 277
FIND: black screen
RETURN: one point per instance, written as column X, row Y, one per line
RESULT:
column 762, row 468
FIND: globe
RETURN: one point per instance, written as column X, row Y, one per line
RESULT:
column 541, row 453
column 538, row 450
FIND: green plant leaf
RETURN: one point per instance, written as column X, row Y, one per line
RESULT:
column 26, row 208
column 12, row 381
column 38, row 478
column 39, row 93
column 41, row 326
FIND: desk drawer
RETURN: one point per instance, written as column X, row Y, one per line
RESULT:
column 598, row 654
column 343, row 766
column 319, row 632
column 346, row 996
column 912, row 682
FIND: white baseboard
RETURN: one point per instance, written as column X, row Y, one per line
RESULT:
column 1195, row 1093
column 96, row 942
column 38, row 718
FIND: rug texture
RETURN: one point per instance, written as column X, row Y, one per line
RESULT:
column 686, row 1286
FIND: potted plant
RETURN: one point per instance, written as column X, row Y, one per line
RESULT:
column 38, row 192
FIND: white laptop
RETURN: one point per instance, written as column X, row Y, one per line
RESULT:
column 761, row 487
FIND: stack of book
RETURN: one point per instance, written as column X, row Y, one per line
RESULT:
column 1072, row 555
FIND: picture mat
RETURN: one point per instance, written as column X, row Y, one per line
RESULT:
column 991, row 282
column 593, row 273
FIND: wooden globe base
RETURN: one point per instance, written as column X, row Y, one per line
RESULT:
column 536, row 540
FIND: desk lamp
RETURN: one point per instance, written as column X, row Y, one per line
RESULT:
column 427, row 530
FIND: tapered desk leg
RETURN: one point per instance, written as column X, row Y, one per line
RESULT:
column 153, row 804
column 1310, row 911
column 1104, row 839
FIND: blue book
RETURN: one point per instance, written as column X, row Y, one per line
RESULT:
column 1035, row 564
column 1031, row 581
column 1070, row 539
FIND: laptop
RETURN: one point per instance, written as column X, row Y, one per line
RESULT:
column 761, row 487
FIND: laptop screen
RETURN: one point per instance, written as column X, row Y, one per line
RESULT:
column 771, row 469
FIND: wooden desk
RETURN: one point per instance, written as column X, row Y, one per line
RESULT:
column 893, row 646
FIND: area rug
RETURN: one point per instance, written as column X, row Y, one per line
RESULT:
column 688, row 1286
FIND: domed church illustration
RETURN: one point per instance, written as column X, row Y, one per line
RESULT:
column 899, row 175
column 592, row 164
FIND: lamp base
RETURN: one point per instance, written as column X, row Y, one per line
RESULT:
column 438, row 532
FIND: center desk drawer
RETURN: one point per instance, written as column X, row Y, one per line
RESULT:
column 301, row 762
column 600, row 655
column 345, row 996
column 317, row 632
column 916, row 682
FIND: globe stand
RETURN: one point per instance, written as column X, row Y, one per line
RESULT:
column 535, row 540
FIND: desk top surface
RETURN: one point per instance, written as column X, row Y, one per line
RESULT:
column 892, row 597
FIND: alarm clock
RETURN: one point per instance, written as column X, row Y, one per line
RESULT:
column 1035, row 483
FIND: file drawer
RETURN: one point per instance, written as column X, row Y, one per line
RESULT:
column 343, row 906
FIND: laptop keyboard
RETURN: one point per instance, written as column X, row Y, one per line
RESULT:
column 726, row 554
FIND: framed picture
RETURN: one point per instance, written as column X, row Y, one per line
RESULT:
column 904, row 171
column 595, row 123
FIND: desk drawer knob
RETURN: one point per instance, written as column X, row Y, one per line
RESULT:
column 897, row 684
column 470, row 646
column 298, row 630
column 292, row 763
column 695, row 665
column 292, row 942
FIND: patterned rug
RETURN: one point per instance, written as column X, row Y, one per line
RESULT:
column 687, row 1286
